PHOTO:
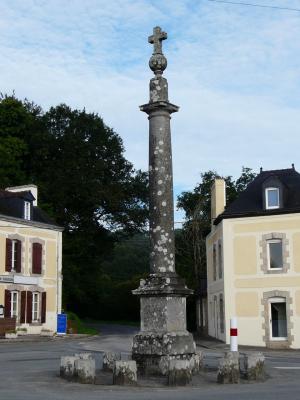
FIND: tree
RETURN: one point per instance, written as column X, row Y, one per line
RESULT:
column 85, row 183
column 14, row 119
column 190, row 242
column 23, row 140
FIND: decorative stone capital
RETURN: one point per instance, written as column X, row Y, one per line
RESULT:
column 163, row 285
column 159, row 106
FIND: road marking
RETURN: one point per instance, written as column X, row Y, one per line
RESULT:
column 287, row 367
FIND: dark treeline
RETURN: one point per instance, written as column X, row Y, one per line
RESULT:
column 88, row 187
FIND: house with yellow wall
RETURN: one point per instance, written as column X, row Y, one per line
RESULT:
column 30, row 262
column 253, row 261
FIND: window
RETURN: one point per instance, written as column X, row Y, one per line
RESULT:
column 275, row 254
column 37, row 258
column 220, row 259
column 26, row 209
column 203, row 312
column 35, row 306
column 272, row 198
column 215, row 262
column 13, row 255
column 14, row 304
column 221, row 303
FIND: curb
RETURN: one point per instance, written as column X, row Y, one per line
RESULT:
column 38, row 338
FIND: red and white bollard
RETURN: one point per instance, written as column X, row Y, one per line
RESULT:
column 233, row 334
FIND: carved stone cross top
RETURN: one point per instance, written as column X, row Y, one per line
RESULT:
column 156, row 39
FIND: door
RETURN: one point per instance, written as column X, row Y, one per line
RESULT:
column 278, row 320
column 216, row 317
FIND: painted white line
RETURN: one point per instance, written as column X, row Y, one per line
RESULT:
column 287, row 367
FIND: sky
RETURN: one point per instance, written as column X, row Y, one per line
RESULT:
column 233, row 69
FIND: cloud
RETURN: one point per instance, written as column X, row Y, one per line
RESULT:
column 234, row 72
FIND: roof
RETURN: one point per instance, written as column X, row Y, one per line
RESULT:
column 11, row 207
column 250, row 201
column 26, row 194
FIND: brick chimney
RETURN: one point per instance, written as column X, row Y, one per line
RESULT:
column 218, row 198
column 26, row 188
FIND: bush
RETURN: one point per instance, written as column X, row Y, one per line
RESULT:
column 78, row 326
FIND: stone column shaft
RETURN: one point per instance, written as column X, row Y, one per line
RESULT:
column 162, row 254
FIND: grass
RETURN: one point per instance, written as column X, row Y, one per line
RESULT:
column 79, row 325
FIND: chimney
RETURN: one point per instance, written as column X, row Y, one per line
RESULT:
column 218, row 198
column 26, row 188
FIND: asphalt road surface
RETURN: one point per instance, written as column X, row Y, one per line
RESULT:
column 29, row 371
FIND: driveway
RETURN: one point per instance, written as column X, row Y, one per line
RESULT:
column 29, row 371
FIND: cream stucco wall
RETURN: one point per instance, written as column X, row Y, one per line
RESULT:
column 245, row 280
column 215, row 288
column 51, row 278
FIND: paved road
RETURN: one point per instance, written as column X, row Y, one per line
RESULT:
column 29, row 370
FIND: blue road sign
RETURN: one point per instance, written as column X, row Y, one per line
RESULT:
column 62, row 324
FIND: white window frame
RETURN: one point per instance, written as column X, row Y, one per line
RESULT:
column 267, row 198
column 14, row 250
column 271, row 301
column 36, row 306
column 269, row 256
column 27, row 210
column 14, row 300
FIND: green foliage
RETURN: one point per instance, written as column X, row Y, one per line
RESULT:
column 129, row 258
column 190, row 241
column 79, row 325
column 12, row 152
column 87, row 185
column 197, row 203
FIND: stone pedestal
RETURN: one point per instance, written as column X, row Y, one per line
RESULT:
column 163, row 324
column 163, row 333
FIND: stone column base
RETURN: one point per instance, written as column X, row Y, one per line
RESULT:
column 152, row 351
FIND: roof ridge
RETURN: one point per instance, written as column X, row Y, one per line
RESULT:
column 277, row 170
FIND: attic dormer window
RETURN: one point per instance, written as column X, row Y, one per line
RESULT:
column 272, row 198
column 26, row 209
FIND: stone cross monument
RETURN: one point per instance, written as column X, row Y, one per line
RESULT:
column 163, row 333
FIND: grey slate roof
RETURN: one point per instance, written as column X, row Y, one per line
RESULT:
column 12, row 205
column 250, row 201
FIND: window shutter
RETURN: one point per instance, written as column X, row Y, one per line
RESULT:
column 7, row 304
column 19, row 253
column 23, row 307
column 8, row 259
column 43, row 313
column 29, row 308
column 36, row 258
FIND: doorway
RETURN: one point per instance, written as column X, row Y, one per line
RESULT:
column 278, row 319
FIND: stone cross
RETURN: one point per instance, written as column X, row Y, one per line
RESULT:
column 156, row 39
column 163, row 293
